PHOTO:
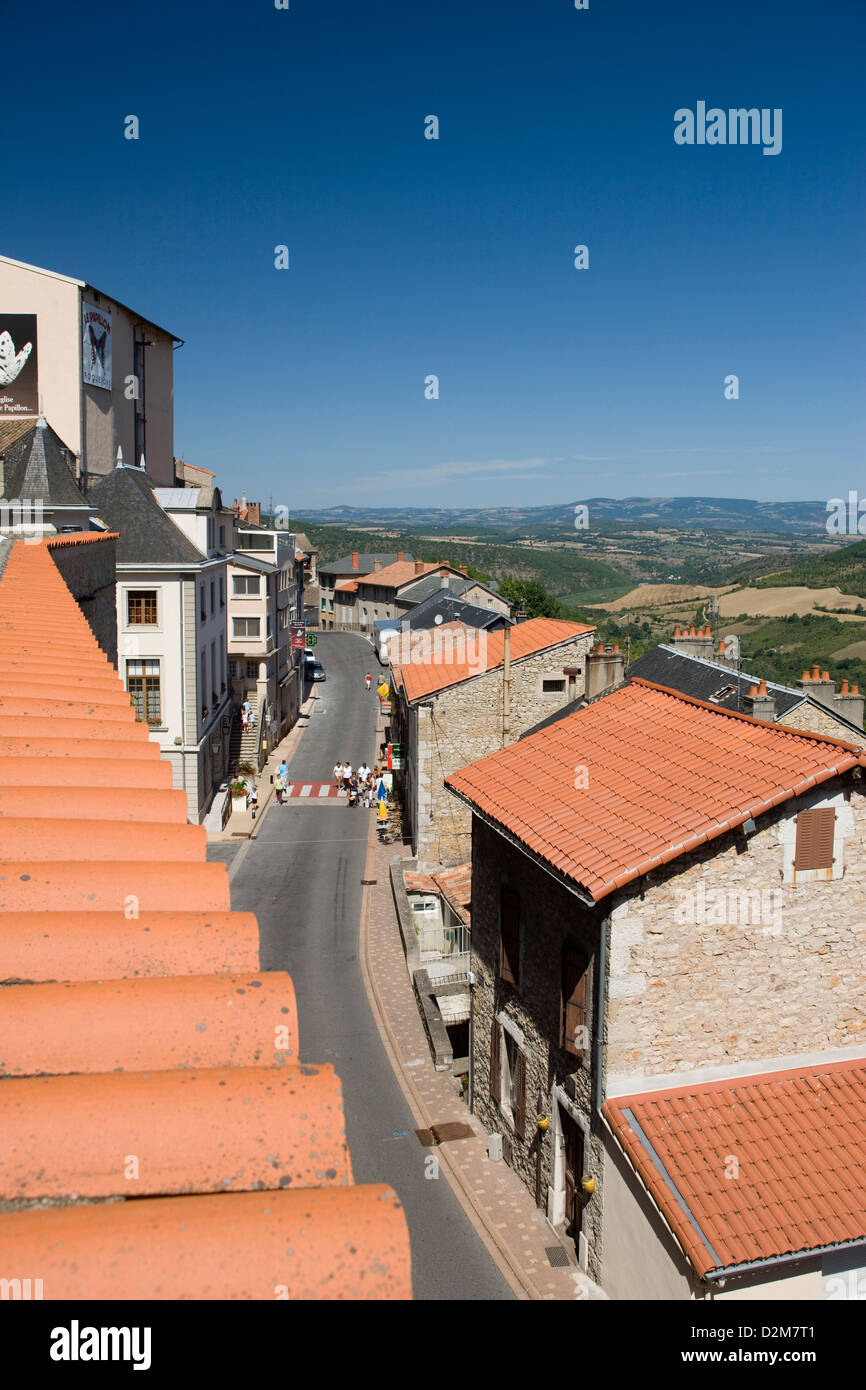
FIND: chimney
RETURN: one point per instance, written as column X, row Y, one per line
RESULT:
column 604, row 669
column 760, row 704
column 377, row 564
column 354, row 559
column 399, row 557
column 419, row 566
column 819, row 687
column 464, row 571
column 444, row 570
column 692, row 643
column 849, row 703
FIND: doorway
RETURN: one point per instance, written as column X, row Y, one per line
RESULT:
column 572, row 1140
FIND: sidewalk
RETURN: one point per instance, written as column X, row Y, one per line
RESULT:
column 241, row 824
column 495, row 1200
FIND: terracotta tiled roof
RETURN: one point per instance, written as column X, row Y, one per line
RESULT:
column 487, row 650
column 142, row 1051
column 348, row 586
column 641, row 777
column 455, row 885
column 799, row 1139
column 394, row 576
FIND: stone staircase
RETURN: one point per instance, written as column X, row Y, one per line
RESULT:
column 244, row 747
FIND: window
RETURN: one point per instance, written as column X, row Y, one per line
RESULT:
column 553, row 687
column 222, row 593
column 574, row 1036
column 247, row 627
column 245, row 585
column 814, row 847
column 508, row 1077
column 222, row 537
column 252, row 670
column 141, row 607
column 509, row 936
column 142, row 682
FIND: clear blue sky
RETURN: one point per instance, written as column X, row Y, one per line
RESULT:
column 409, row 257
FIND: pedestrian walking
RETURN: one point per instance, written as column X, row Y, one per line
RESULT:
column 353, row 790
column 338, row 776
column 347, row 776
column 368, row 680
column 247, row 709
column 279, row 787
column 363, row 774
column 283, row 770
column 244, row 720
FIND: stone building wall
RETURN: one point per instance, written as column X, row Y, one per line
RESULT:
column 716, row 960
column 465, row 724
column 549, row 912
column 812, row 720
column 88, row 565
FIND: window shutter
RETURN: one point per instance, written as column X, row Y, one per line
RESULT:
column 814, row 848
column 520, row 1095
column 509, row 936
column 575, row 967
column 494, row 1062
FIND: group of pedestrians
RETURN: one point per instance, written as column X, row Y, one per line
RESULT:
column 281, row 781
column 248, row 718
column 362, row 787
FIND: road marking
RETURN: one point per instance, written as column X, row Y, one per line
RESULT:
column 325, row 789
column 305, row 791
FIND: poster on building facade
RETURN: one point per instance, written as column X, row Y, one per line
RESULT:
column 19, row 385
column 96, row 345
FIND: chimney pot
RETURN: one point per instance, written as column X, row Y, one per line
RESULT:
column 825, row 675
column 805, row 676
column 692, row 632
column 400, row 556
column 816, row 672
column 753, row 693
column 855, row 690
column 762, row 688
column 721, row 646
column 844, row 690
column 676, row 632
column 419, row 565
column 616, row 646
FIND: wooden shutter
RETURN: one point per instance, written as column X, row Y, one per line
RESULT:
column 509, row 936
column 575, row 966
column 520, row 1094
column 494, row 1062
column 814, row 848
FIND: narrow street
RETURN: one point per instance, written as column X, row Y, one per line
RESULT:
column 302, row 877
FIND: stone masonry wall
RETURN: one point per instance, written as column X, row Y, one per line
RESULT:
column 465, row 724
column 817, row 721
column 703, row 974
column 548, row 913
column 88, row 570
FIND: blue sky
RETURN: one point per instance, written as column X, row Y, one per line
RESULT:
column 412, row 257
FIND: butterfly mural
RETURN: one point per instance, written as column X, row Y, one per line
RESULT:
column 97, row 346
column 11, row 363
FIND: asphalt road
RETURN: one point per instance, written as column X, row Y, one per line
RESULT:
column 302, row 877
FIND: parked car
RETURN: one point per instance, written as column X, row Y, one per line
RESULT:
column 315, row 671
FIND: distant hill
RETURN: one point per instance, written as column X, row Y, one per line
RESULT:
column 843, row 569
column 726, row 513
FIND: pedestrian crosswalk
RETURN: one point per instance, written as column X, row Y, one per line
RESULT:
column 310, row 791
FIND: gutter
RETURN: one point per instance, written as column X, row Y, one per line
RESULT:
column 719, row 1276
column 598, row 1040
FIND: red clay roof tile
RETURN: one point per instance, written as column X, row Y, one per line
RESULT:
column 650, row 796
column 485, row 652
column 795, row 1189
column 153, row 972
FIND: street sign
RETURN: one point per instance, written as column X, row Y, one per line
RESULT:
column 298, row 630
column 312, row 639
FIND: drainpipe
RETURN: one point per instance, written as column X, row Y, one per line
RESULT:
column 182, row 702
column 506, row 688
column 597, row 1088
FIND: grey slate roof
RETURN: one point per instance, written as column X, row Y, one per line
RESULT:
column 450, row 607
column 366, row 564
column 420, row 589
column 35, row 466
column 126, row 502
column 704, row 680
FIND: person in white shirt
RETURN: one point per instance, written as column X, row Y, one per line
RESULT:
column 347, row 776
column 363, row 773
column 338, row 775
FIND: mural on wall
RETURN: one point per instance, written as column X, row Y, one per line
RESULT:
column 19, row 386
column 96, row 346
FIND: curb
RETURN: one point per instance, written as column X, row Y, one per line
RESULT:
column 513, row 1277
